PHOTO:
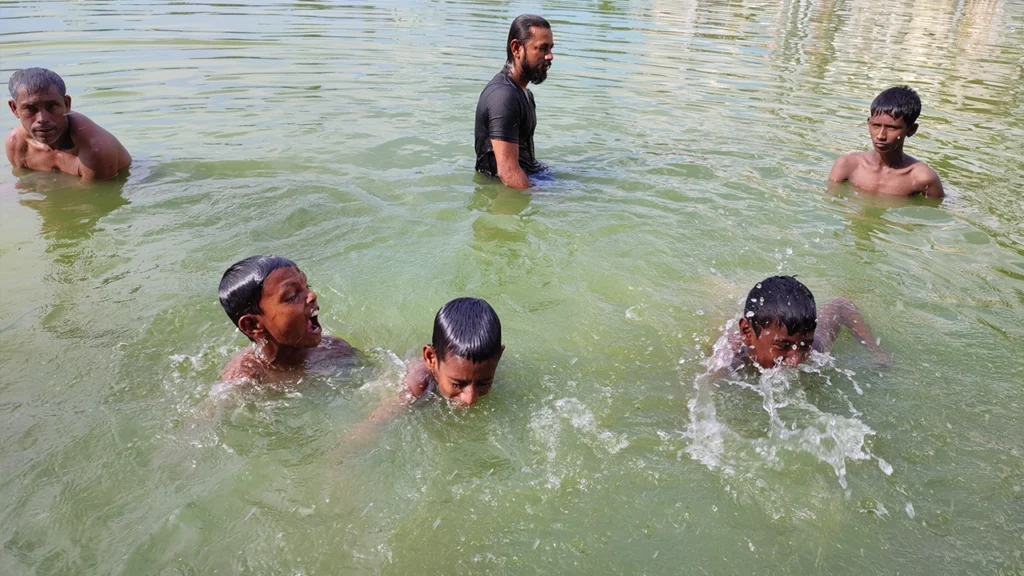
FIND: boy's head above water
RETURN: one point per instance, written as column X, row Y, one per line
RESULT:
column 893, row 117
column 465, row 349
column 270, row 301
column 778, row 323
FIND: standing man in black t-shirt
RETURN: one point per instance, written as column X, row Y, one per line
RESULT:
column 506, row 114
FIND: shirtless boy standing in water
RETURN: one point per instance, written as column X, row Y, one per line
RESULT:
column 886, row 169
column 52, row 138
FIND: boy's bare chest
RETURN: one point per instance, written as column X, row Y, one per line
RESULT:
column 888, row 181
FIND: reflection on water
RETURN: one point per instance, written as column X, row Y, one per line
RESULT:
column 70, row 211
column 689, row 143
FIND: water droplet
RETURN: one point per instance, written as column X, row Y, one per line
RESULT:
column 910, row 510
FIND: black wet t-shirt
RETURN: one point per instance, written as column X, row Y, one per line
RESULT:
column 505, row 112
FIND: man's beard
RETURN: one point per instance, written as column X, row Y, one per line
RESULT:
column 535, row 74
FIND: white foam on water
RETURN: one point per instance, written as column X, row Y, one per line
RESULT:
column 795, row 424
column 555, row 421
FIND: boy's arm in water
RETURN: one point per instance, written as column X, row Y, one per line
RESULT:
column 839, row 312
column 414, row 385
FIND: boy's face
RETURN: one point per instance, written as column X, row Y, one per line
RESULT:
column 775, row 345
column 290, row 313
column 888, row 133
column 459, row 379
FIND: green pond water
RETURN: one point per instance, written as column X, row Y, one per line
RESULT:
column 689, row 141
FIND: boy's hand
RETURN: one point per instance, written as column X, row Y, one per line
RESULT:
column 881, row 356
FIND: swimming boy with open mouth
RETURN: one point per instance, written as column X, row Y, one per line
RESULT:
column 270, row 301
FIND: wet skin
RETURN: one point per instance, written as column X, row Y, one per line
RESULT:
column 286, row 333
column 886, row 169
column 775, row 345
column 52, row 138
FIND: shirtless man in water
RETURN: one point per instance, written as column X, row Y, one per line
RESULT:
column 887, row 169
column 52, row 138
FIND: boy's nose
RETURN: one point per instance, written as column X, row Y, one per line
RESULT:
column 310, row 297
column 469, row 395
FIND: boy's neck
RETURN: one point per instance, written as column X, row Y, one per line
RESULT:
column 280, row 356
column 893, row 158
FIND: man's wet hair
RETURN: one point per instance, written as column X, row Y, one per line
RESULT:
column 781, row 300
column 898, row 102
column 521, row 30
column 241, row 287
column 35, row 80
column 469, row 328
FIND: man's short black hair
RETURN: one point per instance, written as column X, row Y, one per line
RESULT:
column 241, row 287
column 520, row 30
column 781, row 300
column 469, row 328
column 35, row 80
column 898, row 102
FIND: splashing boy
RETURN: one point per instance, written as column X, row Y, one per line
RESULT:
column 782, row 326
column 270, row 301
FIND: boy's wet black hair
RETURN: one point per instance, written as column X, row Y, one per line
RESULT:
column 467, row 327
column 898, row 102
column 241, row 287
column 35, row 80
column 781, row 300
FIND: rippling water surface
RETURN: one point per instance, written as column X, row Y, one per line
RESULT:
column 690, row 141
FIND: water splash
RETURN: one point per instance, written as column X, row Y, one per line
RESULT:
column 794, row 423
column 563, row 421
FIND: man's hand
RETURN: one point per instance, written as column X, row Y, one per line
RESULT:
column 506, row 156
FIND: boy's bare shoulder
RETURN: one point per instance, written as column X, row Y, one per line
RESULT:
column 846, row 165
column 243, row 366
column 925, row 179
column 337, row 347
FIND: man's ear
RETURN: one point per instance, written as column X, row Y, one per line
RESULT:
column 747, row 333
column 912, row 129
column 251, row 326
column 430, row 358
column 516, row 46
column 14, row 107
column 502, row 351
column 67, row 102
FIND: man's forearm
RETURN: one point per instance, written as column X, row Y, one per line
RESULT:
column 515, row 178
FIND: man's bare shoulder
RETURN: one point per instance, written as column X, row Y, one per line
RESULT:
column 16, row 144
column 85, row 132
